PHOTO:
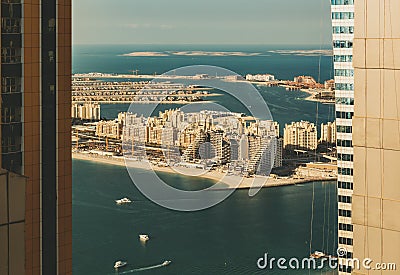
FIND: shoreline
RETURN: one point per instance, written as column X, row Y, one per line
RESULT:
column 228, row 182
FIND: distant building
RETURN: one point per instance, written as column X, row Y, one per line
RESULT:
column 109, row 129
column 279, row 153
column 234, row 77
column 305, row 80
column 260, row 77
column 89, row 111
column 243, row 148
column 300, row 135
column 330, row 85
column 328, row 132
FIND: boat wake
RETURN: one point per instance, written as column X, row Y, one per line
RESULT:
column 141, row 269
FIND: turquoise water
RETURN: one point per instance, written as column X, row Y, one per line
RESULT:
column 226, row 239
column 108, row 58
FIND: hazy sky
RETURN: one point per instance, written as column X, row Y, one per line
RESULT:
column 201, row 21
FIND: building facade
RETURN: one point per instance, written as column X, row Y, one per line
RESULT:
column 328, row 132
column 12, row 223
column 300, row 135
column 376, row 137
column 35, row 125
column 342, row 12
column 87, row 111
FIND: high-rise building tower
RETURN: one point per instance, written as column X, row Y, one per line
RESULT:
column 342, row 12
column 35, row 125
column 376, row 138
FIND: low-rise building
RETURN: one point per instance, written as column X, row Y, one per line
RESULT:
column 260, row 77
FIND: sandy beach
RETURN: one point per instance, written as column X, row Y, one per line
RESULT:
column 223, row 180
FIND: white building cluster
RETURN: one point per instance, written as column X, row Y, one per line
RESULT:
column 260, row 77
column 241, row 144
column 300, row 135
column 88, row 111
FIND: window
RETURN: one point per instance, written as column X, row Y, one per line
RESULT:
column 10, row 114
column 345, row 100
column 345, row 157
column 10, row 85
column 345, row 171
column 345, row 115
column 344, row 72
column 51, row 56
column 346, row 227
column 344, row 129
column 344, row 143
column 343, row 44
column 342, row 58
column 10, row 144
column 342, row 2
column 345, row 185
column 344, row 86
column 345, row 199
column 343, row 30
column 52, row 25
column 10, row 55
column 345, row 268
column 10, row 25
column 347, row 241
column 343, row 15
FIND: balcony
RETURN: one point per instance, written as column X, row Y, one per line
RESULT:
column 10, row 25
column 10, row 55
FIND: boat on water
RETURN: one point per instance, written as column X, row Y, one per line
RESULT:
column 144, row 237
column 165, row 263
column 318, row 255
column 119, row 264
column 123, row 201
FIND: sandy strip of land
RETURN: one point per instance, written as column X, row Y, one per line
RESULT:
column 223, row 180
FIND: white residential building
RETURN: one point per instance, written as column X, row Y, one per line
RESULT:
column 342, row 12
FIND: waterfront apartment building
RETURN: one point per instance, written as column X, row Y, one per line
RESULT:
column 328, row 132
column 342, row 14
column 86, row 111
column 36, row 132
column 260, row 77
column 376, row 136
column 301, row 135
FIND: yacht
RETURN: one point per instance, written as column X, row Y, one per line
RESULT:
column 166, row 263
column 318, row 254
column 119, row 264
column 123, row 201
column 144, row 237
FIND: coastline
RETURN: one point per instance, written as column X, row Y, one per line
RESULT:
column 226, row 182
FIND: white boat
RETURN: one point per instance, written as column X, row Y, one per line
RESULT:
column 318, row 254
column 119, row 264
column 123, row 201
column 144, row 237
column 166, row 263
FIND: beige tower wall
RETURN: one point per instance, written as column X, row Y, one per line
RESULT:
column 376, row 133
column 12, row 223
